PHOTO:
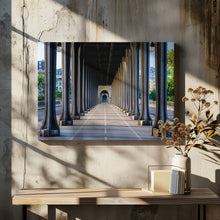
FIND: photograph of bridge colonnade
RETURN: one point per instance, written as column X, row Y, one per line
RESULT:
column 104, row 91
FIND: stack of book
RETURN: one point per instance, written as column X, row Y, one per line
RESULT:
column 177, row 181
column 160, row 180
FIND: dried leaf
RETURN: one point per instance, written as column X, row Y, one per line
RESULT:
column 188, row 146
column 178, row 149
column 209, row 132
column 193, row 121
column 207, row 113
column 200, row 146
column 196, row 131
column 210, row 117
column 212, row 135
column 191, row 130
column 214, row 124
column 171, row 146
column 201, row 125
column 207, row 128
column 209, row 143
column 199, row 122
column 193, row 140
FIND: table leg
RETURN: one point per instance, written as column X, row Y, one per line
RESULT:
column 24, row 212
column 201, row 212
column 51, row 212
column 204, row 212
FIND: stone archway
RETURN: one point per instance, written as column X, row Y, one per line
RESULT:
column 105, row 94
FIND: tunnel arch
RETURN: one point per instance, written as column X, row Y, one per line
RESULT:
column 104, row 95
column 104, row 90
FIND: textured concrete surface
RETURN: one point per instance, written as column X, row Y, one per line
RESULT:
column 27, row 162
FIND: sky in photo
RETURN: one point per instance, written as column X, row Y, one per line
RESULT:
column 41, row 55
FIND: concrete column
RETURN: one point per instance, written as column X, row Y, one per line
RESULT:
column 72, row 79
column 119, row 88
column 90, row 88
column 136, row 112
column 128, row 81
column 50, row 126
column 65, row 118
column 124, row 84
column 93, row 90
column 89, row 96
column 86, row 87
column 114, row 88
column 145, row 118
column 75, row 113
column 121, row 69
column 83, row 86
column 131, row 83
column 79, row 80
column 80, row 73
column 113, row 92
column 133, row 77
column 161, row 83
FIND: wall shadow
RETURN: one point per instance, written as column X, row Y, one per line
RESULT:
column 33, row 216
column 129, row 212
column 202, row 182
column 79, row 166
column 6, row 209
column 204, row 13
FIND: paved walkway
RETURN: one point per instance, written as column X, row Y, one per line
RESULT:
column 104, row 122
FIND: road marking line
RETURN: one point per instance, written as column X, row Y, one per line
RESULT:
column 75, row 133
column 128, row 125
column 105, row 123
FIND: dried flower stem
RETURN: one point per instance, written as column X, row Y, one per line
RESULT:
column 196, row 134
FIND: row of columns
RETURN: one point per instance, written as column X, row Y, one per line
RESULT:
column 83, row 87
column 126, row 85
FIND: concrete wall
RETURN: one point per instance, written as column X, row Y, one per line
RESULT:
column 27, row 162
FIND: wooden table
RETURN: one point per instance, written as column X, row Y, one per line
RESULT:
column 53, row 197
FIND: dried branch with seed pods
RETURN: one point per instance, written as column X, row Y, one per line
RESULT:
column 201, row 128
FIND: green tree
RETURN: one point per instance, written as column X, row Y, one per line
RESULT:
column 170, row 73
column 170, row 63
column 41, row 85
column 41, row 96
column 170, row 89
column 153, row 95
column 58, row 94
